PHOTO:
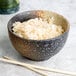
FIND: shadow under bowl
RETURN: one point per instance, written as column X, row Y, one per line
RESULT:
column 38, row 49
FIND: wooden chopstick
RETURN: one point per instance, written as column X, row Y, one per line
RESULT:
column 45, row 69
column 24, row 65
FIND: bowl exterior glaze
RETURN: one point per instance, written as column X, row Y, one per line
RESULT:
column 38, row 49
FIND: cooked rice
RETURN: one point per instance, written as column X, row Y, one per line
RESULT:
column 37, row 29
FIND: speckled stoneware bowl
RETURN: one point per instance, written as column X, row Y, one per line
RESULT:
column 38, row 49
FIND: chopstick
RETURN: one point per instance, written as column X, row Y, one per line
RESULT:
column 48, row 69
column 40, row 68
column 6, row 59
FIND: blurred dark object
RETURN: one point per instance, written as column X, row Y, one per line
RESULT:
column 9, row 6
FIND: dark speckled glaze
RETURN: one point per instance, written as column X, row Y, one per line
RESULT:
column 38, row 49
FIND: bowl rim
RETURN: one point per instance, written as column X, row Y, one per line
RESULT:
column 57, row 37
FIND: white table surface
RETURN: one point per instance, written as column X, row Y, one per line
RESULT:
column 64, row 60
